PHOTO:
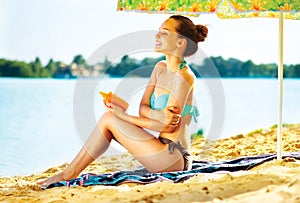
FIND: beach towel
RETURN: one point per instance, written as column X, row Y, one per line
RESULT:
column 142, row 176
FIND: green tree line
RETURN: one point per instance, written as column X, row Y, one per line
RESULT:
column 231, row 68
column 35, row 69
column 128, row 67
column 236, row 68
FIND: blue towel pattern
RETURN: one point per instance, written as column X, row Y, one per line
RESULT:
column 144, row 177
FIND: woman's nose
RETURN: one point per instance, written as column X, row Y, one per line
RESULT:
column 157, row 35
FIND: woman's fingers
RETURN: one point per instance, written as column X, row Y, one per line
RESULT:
column 170, row 117
column 172, row 108
column 175, row 119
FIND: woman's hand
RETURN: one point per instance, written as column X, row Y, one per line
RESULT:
column 115, row 110
column 168, row 116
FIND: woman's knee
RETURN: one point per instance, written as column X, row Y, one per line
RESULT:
column 105, row 119
column 109, row 121
column 104, row 124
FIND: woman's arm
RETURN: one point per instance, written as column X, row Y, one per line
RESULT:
column 166, row 115
column 181, row 88
column 142, row 122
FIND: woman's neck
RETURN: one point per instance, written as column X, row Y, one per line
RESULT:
column 172, row 62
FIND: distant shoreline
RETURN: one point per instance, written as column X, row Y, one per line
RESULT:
column 129, row 66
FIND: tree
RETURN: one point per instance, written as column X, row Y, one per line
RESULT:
column 296, row 71
column 51, row 68
column 19, row 69
column 3, row 67
column 292, row 71
column 80, row 61
column 246, row 67
column 36, row 67
column 106, row 63
column 219, row 63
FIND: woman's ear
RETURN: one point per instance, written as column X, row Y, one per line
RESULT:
column 181, row 42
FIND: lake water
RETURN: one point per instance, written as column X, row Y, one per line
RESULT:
column 38, row 126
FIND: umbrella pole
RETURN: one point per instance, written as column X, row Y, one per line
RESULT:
column 280, row 81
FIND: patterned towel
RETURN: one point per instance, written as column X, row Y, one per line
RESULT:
column 142, row 176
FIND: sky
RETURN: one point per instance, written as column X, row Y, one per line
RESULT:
column 61, row 29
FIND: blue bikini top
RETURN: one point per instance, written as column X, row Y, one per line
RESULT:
column 160, row 102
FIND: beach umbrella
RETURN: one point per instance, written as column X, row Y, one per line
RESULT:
column 281, row 9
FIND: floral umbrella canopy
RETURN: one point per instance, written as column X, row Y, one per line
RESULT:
column 282, row 9
column 223, row 8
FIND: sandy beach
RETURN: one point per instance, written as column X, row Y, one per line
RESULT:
column 273, row 181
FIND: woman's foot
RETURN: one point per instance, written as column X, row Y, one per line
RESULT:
column 57, row 178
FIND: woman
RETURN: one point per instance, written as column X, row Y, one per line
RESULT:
column 165, row 107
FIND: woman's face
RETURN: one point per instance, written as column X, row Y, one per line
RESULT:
column 167, row 38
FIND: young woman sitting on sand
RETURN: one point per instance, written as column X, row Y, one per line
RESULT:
column 166, row 107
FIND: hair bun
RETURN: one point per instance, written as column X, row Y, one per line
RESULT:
column 202, row 32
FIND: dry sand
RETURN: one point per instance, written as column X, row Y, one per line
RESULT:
column 273, row 181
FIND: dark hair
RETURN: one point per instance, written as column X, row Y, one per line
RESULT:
column 191, row 32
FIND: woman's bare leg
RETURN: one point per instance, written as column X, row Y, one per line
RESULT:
column 147, row 149
column 96, row 145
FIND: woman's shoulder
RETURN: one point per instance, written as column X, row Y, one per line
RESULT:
column 161, row 64
column 188, row 75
